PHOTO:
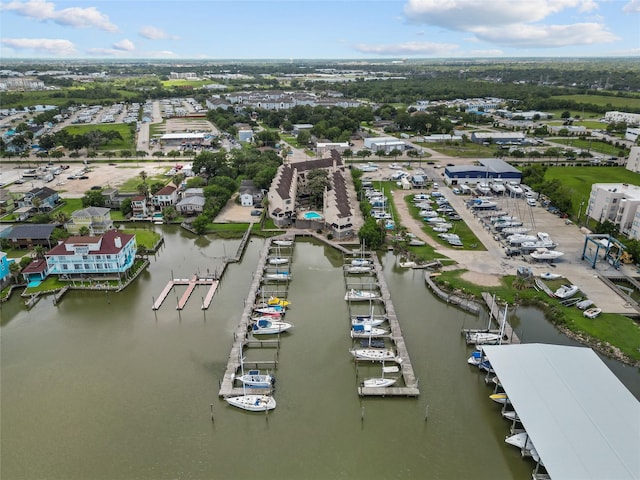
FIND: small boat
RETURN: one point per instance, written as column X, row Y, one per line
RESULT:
column 475, row 358
column 270, row 310
column 360, row 262
column 483, row 338
column 253, row 403
column 550, row 276
column 373, row 354
column 499, row 398
column 255, row 379
column 515, row 230
column 278, row 260
column 520, row 440
column 566, row 291
column 354, row 295
column 382, row 381
column 278, row 276
column 278, row 302
column 545, row 254
column 271, row 318
column 283, row 243
column 367, row 331
column 358, row 269
column 518, row 238
column 592, row 312
column 368, row 320
column 511, row 415
column 269, row 327
column 416, row 242
column 483, row 204
column 584, row 304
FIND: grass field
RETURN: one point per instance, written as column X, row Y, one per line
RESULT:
column 468, row 150
column 63, row 97
column 603, row 100
column 593, row 146
column 580, row 179
column 127, row 142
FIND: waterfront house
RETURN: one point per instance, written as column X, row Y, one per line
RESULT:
column 249, row 194
column 42, row 199
column 29, row 236
column 139, row 206
column 96, row 219
column 167, row 196
column 191, row 205
column 106, row 255
column 5, row 271
column 36, row 271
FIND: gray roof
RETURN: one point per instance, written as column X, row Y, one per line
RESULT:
column 497, row 165
column 192, row 200
column 91, row 212
column 36, row 232
column 582, row 420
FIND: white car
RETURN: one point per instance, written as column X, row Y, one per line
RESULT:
column 531, row 202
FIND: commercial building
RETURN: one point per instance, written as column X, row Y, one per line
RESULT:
column 486, row 171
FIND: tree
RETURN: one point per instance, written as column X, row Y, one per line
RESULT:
column 125, row 206
column 200, row 224
column 155, row 187
column 372, row 233
column 84, row 231
column 37, row 203
column 169, row 213
column 143, row 176
column 38, row 252
column 93, row 198
column 303, row 138
column 317, row 181
column 14, row 269
column 57, row 154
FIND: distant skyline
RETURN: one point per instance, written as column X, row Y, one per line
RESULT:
column 318, row 29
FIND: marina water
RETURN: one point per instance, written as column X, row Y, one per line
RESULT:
column 102, row 387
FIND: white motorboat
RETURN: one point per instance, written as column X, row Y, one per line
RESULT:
column 278, row 276
column 550, row 276
column 515, row 230
column 269, row 327
column 416, row 242
column 278, row 260
column 518, row 238
column 283, row 243
column 428, row 213
column 358, row 269
column 475, row 358
column 498, row 187
column 514, row 188
column 382, row 381
column 592, row 312
column 269, row 309
column 483, row 338
column 566, row 291
column 256, row 379
column 253, row 403
column 511, row 415
column 373, row 354
column 520, row 440
column 545, row 254
column 368, row 320
column 354, row 295
column 483, row 188
column 364, row 330
column 483, row 204
column 360, row 262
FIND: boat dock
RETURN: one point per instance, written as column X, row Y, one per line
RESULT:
column 403, row 360
column 497, row 314
column 191, row 283
column 242, row 339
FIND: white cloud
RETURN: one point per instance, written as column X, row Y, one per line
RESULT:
column 546, row 36
column 43, row 10
column 124, row 45
column 50, row 46
column 155, row 33
column 466, row 14
column 162, row 54
column 408, row 48
column 632, row 7
column 487, row 53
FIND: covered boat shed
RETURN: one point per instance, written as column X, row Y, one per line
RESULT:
column 582, row 420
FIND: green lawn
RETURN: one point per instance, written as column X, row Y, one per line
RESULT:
column 594, row 146
column 468, row 150
column 144, row 237
column 580, row 179
column 126, row 143
column 131, row 185
column 70, row 206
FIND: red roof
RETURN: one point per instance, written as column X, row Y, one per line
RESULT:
column 168, row 190
column 107, row 247
column 37, row 266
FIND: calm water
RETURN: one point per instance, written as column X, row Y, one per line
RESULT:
column 102, row 387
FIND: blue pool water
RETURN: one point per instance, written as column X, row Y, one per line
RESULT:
column 312, row 216
column 34, row 283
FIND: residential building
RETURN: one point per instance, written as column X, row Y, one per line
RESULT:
column 106, row 255
column 617, row 203
column 42, row 199
column 633, row 163
column 96, row 219
column 5, row 271
column 191, row 205
column 29, row 236
column 7, row 202
column 139, row 206
column 249, row 194
column 166, row 197
column 632, row 134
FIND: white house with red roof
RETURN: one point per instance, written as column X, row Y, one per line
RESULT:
column 108, row 254
column 139, row 206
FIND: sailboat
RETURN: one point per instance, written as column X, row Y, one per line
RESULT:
column 382, row 381
column 283, row 243
column 251, row 402
column 278, row 259
column 488, row 337
column 278, row 276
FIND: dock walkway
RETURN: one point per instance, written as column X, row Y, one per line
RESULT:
column 497, row 315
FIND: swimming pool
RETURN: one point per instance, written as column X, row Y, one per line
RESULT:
column 312, row 216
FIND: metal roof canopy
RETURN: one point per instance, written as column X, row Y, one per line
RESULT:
column 582, row 420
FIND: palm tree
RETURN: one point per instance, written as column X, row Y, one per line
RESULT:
column 84, row 231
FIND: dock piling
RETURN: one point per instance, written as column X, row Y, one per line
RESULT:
column 212, row 419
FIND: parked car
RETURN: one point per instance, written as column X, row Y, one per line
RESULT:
column 256, row 213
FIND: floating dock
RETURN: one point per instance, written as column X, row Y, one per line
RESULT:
column 191, row 285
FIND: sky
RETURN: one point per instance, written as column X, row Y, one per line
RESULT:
column 318, row 29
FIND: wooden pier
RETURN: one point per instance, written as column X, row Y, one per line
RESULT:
column 191, row 285
column 411, row 383
column 497, row 315
column 241, row 337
